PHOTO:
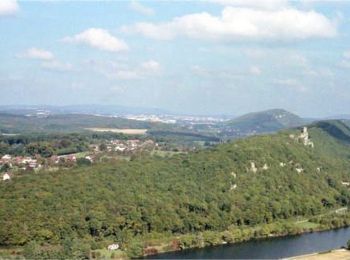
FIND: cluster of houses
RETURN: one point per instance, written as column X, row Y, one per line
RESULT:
column 10, row 164
column 21, row 162
column 127, row 146
column 18, row 162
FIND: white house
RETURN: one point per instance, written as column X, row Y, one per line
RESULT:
column 299, row 169
column 6, row 157
column 89, row 158
column 6, row 177
column 113, row 247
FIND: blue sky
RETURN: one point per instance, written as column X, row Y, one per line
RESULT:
column 194, row 57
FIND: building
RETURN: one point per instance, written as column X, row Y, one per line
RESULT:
column 113, row 247
column 6, row 177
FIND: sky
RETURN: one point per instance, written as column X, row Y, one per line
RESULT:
column 195, row 57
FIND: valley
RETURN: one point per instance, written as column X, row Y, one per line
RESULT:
column 261, row 186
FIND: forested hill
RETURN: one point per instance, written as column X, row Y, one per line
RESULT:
column 10, row 123
column 257, row 180
column 266, row 121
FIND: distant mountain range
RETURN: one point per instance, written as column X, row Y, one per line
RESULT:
column 81, row 109
column 266, row 121
column 344, row 116
column 19, row 119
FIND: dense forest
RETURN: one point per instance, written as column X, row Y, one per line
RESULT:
column 260, row 180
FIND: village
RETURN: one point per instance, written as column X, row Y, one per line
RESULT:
column 12, row 165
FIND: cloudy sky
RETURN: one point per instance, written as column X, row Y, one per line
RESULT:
column 194, row 57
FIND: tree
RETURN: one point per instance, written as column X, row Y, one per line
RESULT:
column 32, row 250
column 83, row 162
column 134, row 249
column 103, row 147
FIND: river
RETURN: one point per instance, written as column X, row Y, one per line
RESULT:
column 271, row 248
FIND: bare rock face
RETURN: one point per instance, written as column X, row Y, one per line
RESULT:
column 233, row 187
column 253, row 167
column 265, row 167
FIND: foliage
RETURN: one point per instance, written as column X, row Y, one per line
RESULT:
column 134, row 249
column 186, row 195
column 265, row 121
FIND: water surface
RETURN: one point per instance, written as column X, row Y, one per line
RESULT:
column 272, row 248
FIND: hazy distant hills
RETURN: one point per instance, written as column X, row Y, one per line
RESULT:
column 21, row 119
column 344, row 116
column 14, row 123
column 81, row 109
column 339, row 129
column 266, row 121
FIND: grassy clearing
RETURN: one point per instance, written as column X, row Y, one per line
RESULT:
column 81, row 154
column 164, row 153
column 307, row 225
column 108, row 254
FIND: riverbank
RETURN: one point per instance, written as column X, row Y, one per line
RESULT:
column 272, row 248
column 160, row 245
column 338, row 254
column 236, row 235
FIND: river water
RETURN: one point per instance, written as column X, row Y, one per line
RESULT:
column 272, row 248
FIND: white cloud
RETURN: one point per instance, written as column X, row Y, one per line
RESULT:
column 259, row 4
column 151, row 66
column 318, row 72
column 255, row 70
column 345, row 64
column 35, row 53
column 147, row 68
column 242, row 24
column 297, row 59
column 123, row 71
column 291, row 83
column 255, row 53
column 214, row 73
column 57, row 66
column 226, row 74
column 140, row 8
column 98, row 38
column 8, row 7
column 346, row 54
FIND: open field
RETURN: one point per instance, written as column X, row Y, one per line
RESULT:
column 108, row 254
column 127, row 131
column 340, row 254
